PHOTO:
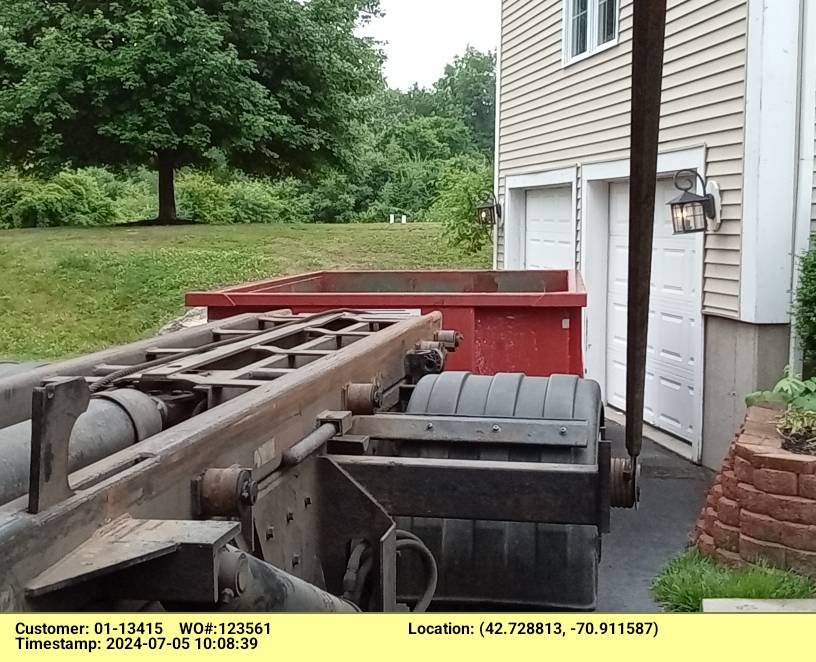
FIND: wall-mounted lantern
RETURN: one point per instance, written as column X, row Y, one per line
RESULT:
column 490, row 212
column 692, row 212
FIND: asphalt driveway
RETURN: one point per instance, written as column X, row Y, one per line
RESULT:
column 643, row 540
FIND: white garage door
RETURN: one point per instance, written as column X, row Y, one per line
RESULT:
column 672, row 393
column 549, row 243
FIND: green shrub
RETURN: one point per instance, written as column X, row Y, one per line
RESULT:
column 69, row 198
column 790, row 391
column 133, row 193
column 13, row 188
column 258, row 201
column 690, row 578
column 462, row 190
column 200, row 197
column 333, row 198
column 804, row 303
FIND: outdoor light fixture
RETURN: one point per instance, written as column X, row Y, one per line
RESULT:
column 692, row 212
column 490, row 212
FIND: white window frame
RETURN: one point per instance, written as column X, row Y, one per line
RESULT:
column 592, row 32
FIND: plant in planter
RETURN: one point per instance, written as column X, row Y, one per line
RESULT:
column 797, row 424
column 790, row 391
column 798, row 430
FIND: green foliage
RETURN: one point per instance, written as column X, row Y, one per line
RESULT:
column 291, row 92
column 804, row 302
column 257, row 201
column 462, row 190
column 264, row 85
column 798, row 427
column 69, row 198
column 689, row 579
column 468, row 91
column 790, row 390
column 202, row 197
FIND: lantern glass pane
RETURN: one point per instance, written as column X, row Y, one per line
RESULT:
column 688, row 217
column 677, row 218
column 694, row 217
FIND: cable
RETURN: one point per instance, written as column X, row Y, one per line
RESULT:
column 351, row 579
column 408, row 541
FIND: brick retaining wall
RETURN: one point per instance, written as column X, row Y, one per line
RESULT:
column 762, row 505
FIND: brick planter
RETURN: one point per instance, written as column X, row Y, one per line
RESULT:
column 762, row 505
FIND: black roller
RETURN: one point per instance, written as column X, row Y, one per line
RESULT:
column 508, row 564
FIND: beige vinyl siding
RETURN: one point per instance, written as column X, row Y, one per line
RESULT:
column 553, row 116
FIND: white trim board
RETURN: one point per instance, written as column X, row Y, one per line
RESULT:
column 805, row 165
column 595, row 178
column 497, row 145
column 769, row 172
column 516, row 187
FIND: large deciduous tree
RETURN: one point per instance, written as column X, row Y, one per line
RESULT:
column 468, row 91
column 263, row 85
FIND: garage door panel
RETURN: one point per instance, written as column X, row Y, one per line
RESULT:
column 671, row 396
column 549, row 229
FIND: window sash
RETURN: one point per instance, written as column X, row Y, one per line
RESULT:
column 579, row 22
column 607, row 14
column 588, row 25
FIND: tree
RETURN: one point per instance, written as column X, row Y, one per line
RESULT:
column 468, row 91
column 263, row 85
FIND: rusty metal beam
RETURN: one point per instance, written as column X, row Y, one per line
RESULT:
column 153, row 478
column 647, row 77
column 480, row 489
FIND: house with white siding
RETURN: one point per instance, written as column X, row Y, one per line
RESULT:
column 739, row 108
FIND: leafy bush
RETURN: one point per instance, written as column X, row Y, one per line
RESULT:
column 256, row 201
column 804, row 303
column 134, row 193
column 790, row 391
column 201, row 198
column 462, row 191
column 13, row 188
column 333, row 198
column 69, row 198
column 689, row 579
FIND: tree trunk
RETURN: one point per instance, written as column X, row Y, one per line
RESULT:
column 167, row 186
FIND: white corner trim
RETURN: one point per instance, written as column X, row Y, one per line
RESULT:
column 497, row 144
column 771, row 151
column 595, row 179
column 807, row 136
column 516, row 187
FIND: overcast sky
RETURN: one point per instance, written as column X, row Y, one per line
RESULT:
column 424, row 35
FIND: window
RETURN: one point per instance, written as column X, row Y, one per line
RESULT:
column 589, row 26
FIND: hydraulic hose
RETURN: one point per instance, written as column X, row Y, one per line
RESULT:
column 408, row 541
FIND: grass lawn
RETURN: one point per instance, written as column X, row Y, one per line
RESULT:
column 69, row 291
column 691, row 577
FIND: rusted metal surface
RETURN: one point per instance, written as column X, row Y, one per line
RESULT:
column 242, row 502
column 507, row 321
column 471, row 429
column 56, row 408
column 647, row 78
column 363, row 398
column 16, row 389
column 252, row 428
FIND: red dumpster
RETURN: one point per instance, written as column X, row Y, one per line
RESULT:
column 512, row 321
